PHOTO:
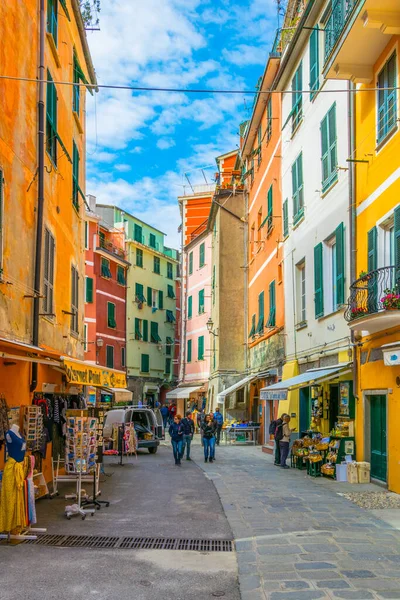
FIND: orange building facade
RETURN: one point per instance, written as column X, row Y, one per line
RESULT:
column 261, row 166
column 42, row 181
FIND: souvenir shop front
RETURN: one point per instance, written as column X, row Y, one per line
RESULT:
column 187, row 398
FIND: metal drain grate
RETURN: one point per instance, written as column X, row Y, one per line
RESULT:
column 132, row 543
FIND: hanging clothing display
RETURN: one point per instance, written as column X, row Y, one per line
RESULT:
column 30, row 492
column 12, row 504
column 4, row 424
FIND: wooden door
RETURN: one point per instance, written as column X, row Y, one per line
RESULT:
column 378, row 437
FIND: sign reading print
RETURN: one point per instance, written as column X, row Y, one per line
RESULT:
column 90, row 375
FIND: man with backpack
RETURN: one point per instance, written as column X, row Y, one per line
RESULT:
column 276, row 429
column 188, row 431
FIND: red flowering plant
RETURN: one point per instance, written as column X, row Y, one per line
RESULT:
column 358, row 311
column 391, row 299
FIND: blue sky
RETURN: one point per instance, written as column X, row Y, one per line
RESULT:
column 141, row 144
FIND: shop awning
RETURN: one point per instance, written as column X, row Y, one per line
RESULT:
column 233, row 388
column 183, row 392
column 83, row 373
column 121, row 395
column 36, row 359
column 279, row 391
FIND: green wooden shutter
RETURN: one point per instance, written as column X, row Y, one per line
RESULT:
column 145, row 331
column 294, row 191
column 75, row 176
column 269, row 208
column 372, row 249
column 285, row 218
column 89, row 289
column 139, row 257
column 145, row 363
column 160, row 300
column 340, row 264
column 170, row 270
column 314, row 62
column 253, row 326
column 332, row 143
column 200, row 348
column 156, row 265
column 190, row 307
column 168, row 366
column 152, row 240
column 189, row 350
column 397, row 242
column 324, row 150
column 110, row 357
column 137, row 233
column 269, row 119
column 300, row 181
column 190, row 263
column 318, row 281
column 260, row 324
column 138, row 335
column 201, row 302
column 202, row 255
column 272, row 305
column 154, row 332
column 150, row 296
column 111, row 315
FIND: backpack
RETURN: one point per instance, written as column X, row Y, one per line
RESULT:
column 272, row 427
column 279, row 432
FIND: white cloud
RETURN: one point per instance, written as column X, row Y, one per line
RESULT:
column 165, row 143
column 123, row 168
column 244, row 55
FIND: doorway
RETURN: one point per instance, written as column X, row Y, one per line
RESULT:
column 378, row 437
column 305, row 409
column 333, row 405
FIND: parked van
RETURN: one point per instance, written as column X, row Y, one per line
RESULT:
column 147, row 422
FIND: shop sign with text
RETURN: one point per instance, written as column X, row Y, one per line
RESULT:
column 92, row 375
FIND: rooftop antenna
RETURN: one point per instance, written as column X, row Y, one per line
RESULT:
column 191, row 187
column 204, row 175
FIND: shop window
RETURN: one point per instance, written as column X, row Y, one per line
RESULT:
column 111, row 319
column 145, row 363
column 110, row 357
column 48, row 272
column 74, row 299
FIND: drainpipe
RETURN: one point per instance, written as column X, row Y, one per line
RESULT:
column 246, row 281
column 40, row 199
column 352, row 220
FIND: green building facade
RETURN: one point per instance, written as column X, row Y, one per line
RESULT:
column 151, row 306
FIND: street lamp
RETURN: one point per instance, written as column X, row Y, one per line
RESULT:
column 210, row 325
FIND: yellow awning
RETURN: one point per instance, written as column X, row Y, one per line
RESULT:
column 83, row 373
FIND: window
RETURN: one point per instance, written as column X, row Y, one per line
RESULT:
column 51, row 119
column 156, row 265
column 318, row 281
column 110, row 357
column 152, row 240
column 137, row 233
column 48, row 275
column 145, row 330
column 168, row 366
column 123, row 356
column 154, row 337
column 201, row 302
column 259, row 145
column 190, row 307
column 52, row 19
column 259, row 225
column 170, row 316
column 105, row 268
column 387, row 99
column 260, row 324
column 170, row 292
column 285, row 218
column 86, row 235
column 190, row 263
column 85, row 338
column 74, row 299
column 301, row 291
column 269, row 119
column 160, row 300
column 139, row 295
column 202, row 250
column 339, row 266
column 121, row 275
column 272, row 305
column 253, row 326
column 150, row 297
column 154, row 298
column 139, row 258
column 200, row 348
column 170, row 270
column 328, row 149
column 297, row 189
column 111, row 322
column 189, row 351
column 89, row 290
column 297, row 97
column 334, row 269
column 269, row 208
column 168, row 347
column 145, row 363
column 314, row 62
column 76, row 90
column 138, row 329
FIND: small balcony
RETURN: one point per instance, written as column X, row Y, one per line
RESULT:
column 374, row 303
column 356, row 33
column 112, row 248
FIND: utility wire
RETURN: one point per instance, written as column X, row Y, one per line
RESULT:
column 195, row 91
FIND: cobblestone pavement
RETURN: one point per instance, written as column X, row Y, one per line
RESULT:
column 296, row 538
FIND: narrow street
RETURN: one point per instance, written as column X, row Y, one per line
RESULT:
column 296, row 538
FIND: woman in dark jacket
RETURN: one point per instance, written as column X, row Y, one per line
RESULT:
column 208, row 429
column 176, row 431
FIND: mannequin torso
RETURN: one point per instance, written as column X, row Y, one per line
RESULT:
column 16, row 445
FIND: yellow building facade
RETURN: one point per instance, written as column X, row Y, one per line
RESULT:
column 365, row 50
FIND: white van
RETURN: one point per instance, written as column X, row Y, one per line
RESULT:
column 146, row 421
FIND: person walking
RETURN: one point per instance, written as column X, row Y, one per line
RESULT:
column 176, row 431
column 188, row 428
column 164, row 413
column 208, row 429
column 172, row 412
column 219, row 420
column 276, row 431
column 285, row 441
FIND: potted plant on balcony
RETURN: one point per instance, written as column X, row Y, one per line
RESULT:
column 391, row 299
column 364, row 276
column 358, row 311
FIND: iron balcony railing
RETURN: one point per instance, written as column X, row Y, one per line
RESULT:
column 341, row 11
column 110, row 247
column 374, row 292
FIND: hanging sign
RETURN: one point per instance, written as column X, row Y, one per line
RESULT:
column 84, row 374
column 266, row 394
